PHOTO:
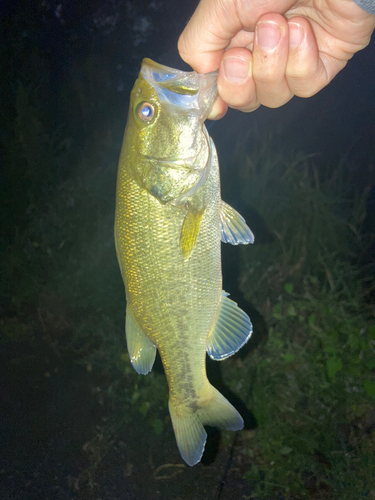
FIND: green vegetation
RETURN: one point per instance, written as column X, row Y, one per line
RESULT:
column 311, row 386
column 312, row 393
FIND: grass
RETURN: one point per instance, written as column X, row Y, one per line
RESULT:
column 312, row 391
column 311, row 386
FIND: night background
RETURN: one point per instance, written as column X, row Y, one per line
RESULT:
column 76, row 421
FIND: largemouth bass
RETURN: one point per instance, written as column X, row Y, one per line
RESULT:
column 170, row 221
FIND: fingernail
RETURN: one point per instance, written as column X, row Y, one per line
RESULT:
column 214, row 117
column 236, row 69
column 217, row 110
column 295, row 34
column 268, row 35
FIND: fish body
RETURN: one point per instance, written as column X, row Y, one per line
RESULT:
column 169, row 224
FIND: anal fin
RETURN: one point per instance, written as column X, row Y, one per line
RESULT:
column 141, row 350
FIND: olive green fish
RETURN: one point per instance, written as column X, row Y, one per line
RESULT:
column 170, row 221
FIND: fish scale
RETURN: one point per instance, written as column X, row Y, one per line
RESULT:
column 168, row 228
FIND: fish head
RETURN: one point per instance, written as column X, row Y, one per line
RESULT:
column 167, row 110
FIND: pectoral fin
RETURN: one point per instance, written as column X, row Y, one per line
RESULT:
column 190, row 230
column 141, row 350
column 232, row 330
column 234, row 229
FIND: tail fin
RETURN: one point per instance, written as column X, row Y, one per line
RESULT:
column 188, row 424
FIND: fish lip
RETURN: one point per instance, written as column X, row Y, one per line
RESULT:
column 166, row 80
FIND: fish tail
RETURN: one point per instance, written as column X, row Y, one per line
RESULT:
column 188, row 424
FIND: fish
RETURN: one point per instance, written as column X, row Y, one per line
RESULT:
column 169, row 224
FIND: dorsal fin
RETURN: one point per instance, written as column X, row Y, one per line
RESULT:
column 234, row 229
column 232, row 330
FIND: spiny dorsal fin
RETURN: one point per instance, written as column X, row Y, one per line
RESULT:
column 232, row 330
column 234, row 229
column 190, row 230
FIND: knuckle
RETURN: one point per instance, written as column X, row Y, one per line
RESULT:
column 305, row 84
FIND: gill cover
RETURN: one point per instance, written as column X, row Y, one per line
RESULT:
column 168, row 109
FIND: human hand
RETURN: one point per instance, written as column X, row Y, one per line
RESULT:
column 267, row 51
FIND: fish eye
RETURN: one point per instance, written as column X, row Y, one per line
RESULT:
column 146, row 112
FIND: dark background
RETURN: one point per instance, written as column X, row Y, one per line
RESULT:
column 118, row 34
column 66, row 71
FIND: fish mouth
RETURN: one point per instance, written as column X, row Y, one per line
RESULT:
column 186, row 89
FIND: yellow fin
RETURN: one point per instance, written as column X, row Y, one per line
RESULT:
column 190, row 230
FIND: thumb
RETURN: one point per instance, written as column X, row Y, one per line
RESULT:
column 215, row 23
